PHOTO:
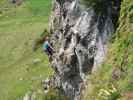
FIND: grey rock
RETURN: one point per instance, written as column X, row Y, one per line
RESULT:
column 36, row 61
column 30, row 96
column 82, row 45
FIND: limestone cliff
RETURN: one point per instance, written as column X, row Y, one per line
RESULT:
column 80, row 34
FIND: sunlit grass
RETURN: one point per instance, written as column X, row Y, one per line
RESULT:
column 19, row 27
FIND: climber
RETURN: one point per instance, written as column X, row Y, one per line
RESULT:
column 47, row 47
column 40, row 40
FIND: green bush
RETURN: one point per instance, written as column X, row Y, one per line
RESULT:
column 114, row 96
column 54, row 95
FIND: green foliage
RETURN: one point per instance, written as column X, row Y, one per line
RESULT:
column 54, row 95
column 114, row 96
column 131, row 14
column 120, row 57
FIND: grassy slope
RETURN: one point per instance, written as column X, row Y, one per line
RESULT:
column 120, row 56
column 18, row 28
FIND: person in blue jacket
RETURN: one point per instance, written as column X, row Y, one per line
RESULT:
column 47, row 47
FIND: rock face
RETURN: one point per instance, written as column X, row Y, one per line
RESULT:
column 79, row 36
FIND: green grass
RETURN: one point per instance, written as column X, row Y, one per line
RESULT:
column 19, row 27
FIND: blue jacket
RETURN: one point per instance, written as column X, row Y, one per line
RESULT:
column 45, row 45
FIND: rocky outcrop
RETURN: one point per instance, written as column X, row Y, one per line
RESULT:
column 79, row 36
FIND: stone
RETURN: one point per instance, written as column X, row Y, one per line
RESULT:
column 36, row 61
column 30, row 96
column 80, row 36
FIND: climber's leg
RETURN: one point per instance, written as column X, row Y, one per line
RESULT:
column 50, row 50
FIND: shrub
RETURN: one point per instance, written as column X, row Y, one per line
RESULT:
column 54, row 95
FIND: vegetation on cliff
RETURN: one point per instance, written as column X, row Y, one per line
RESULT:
column 115, row 78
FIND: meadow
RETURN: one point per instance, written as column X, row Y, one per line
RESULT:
column 19, row 27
